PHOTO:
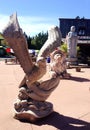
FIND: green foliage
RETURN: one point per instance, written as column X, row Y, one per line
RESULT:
column 37, row 41
column 63, row 47
column 3, row 42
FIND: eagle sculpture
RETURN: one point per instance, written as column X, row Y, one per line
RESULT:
column 31, row 103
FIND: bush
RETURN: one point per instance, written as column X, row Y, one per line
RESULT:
column 2, row 51
column 63, row 47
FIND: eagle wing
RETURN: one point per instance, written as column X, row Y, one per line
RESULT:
column 16, row 39
column 53, row 41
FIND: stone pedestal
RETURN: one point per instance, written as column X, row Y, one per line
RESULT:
column 71, row 61
column 32, row 111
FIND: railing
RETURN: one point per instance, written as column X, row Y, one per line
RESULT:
column 83, row 37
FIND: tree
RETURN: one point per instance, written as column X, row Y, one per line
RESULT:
column 38, row 41
column 28, row 40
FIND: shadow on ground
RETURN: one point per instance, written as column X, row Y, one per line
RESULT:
column 61, row 122
column 79, row 79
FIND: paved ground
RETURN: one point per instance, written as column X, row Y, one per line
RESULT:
column 71, row 101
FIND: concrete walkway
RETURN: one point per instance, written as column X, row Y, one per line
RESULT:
column 71, row 101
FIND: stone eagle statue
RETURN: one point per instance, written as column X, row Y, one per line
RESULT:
column 31, row 103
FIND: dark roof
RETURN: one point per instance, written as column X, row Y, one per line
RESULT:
column 74, row 19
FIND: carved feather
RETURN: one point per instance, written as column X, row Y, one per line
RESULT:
column 53, row 41
column 15, row 38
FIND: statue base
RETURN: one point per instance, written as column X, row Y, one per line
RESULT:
column 33, row 114
column 71, row 61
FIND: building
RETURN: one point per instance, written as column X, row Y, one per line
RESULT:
column 82, row 26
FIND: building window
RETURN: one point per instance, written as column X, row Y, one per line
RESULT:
column 81, row 31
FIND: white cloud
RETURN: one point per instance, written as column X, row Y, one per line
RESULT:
column 30, row 25
column 3, row 21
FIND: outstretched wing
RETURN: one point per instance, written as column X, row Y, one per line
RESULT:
column 15, row 38
column 53, row 41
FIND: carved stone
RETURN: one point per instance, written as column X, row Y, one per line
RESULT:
column 58, row 65
column 31, row 103
column 72, row 45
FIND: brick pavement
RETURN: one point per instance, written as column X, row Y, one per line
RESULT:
column 71, row 101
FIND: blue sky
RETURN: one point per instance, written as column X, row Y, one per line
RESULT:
column 38, row 15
